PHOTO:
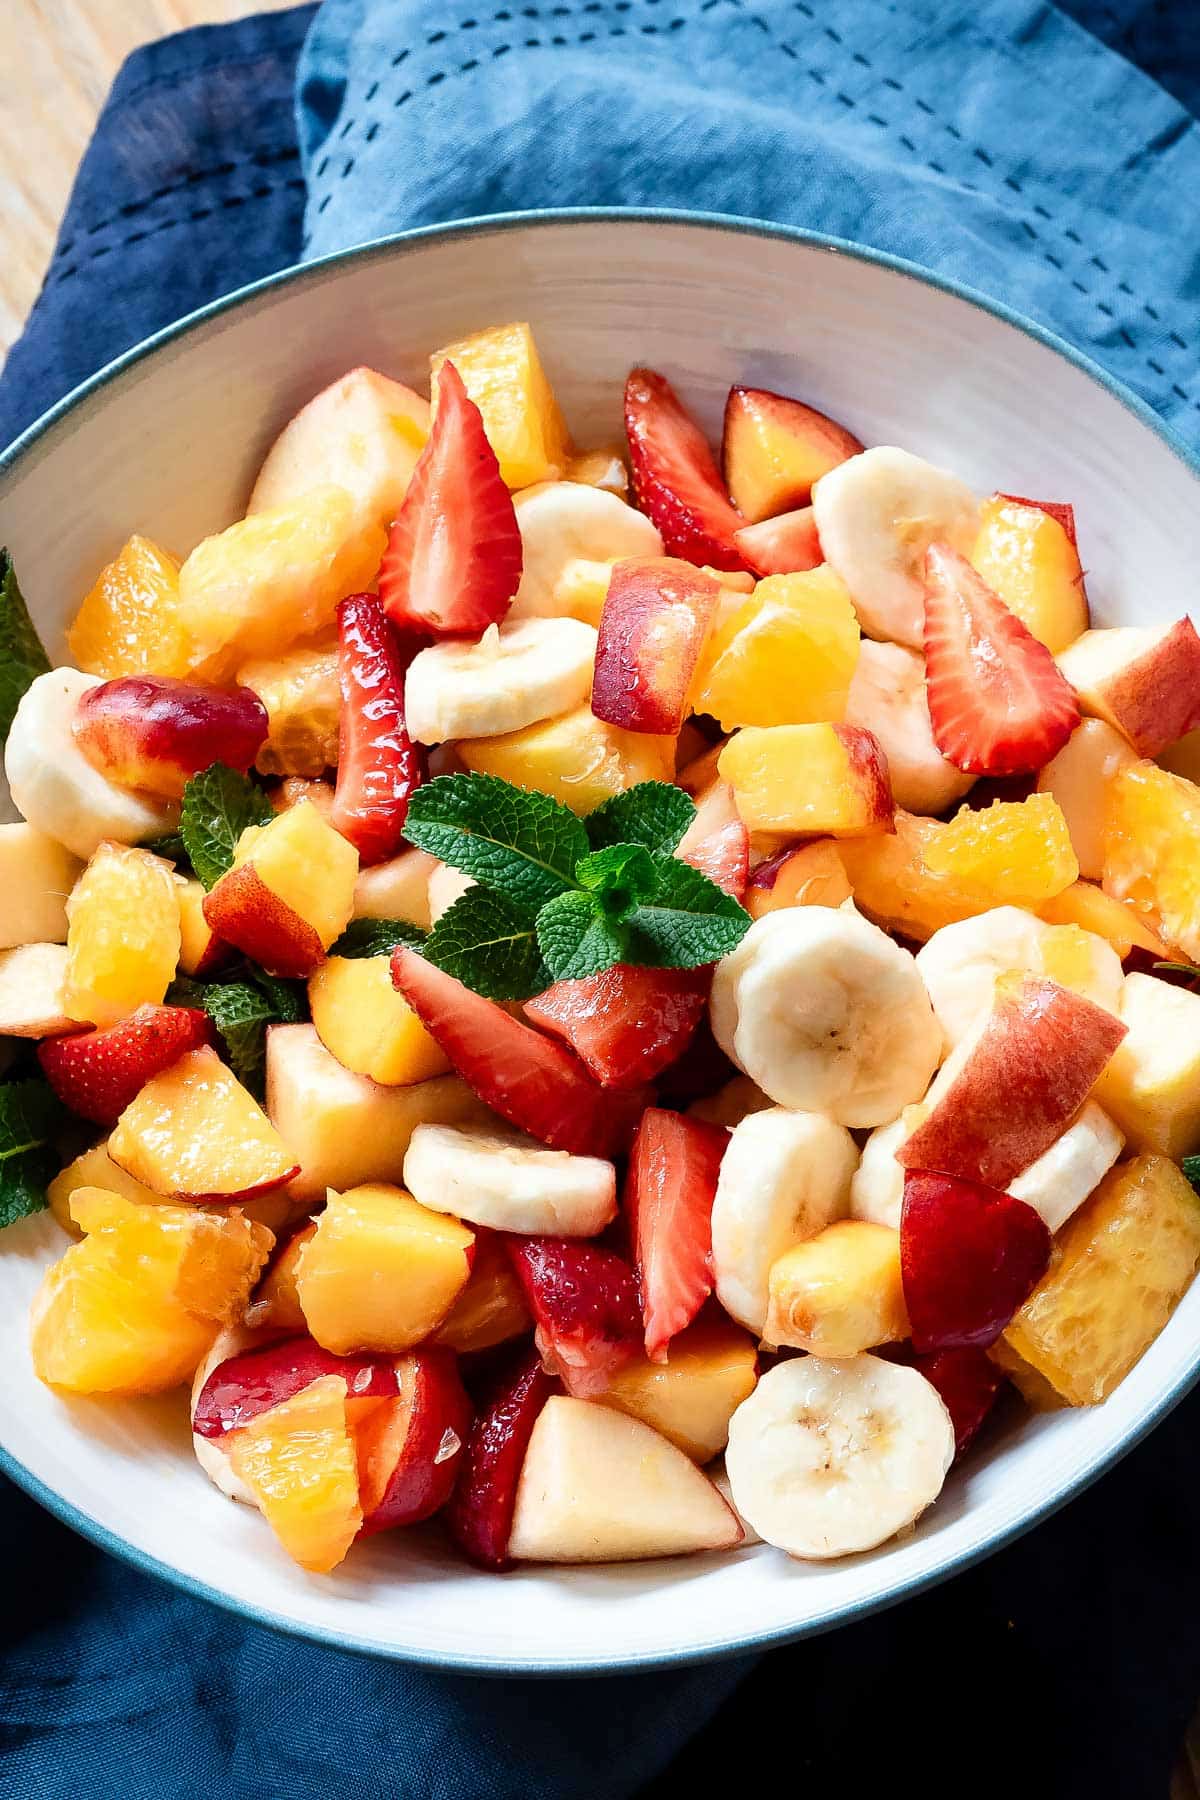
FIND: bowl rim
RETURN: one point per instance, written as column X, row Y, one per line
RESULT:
column 718, row 1648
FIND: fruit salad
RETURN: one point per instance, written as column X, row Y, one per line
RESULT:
column 622, row 1001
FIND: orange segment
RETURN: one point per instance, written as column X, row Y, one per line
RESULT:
column 123, row 934
column 1152, row 851
column 298, row 1460
column 1088, row 906
column 194, row 1131
column 1025, row 555
column 503, row 374
column 300, row 692
column 1018, row 849
column 129, row 622
column 785, row 657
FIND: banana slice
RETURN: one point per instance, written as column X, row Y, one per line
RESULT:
column 829, row 1457
column 876, row 516
column 564, row 522
column 784, row 1177
column 509, row 1182
column 877, row 1190
column 887, row 697
column 827, row 1015
column 55, row 787
column 513, row 676
column 959, row 964
column 210, row 1452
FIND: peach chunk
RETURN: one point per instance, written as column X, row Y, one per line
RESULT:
column 290, row 891
column 1152, row 851
column 655, row 619
column 93, row 1169
column 829, row 779
column 200, row 949
column 813, row 875
column 299, row 1462
column 194, row 1131
column 577, row 758
column 491, row 1308
column 503, row 374
column 1152, row 1085
column 785, row 656
column 123, row 934
column 129, row 622
column 690, row 1398
column 154, row 733
column 303, row 701
column 1078, row 778
column 368, row 1026
column 1027, row 555
column 396, row 889
column 381, row 1271
column 775, row 449
column 275, row 1305
column 1143, row 680
column 840, row 1292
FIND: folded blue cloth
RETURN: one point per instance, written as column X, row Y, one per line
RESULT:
column 997, row 141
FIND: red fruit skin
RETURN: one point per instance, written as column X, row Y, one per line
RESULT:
column 479, row 1514
column 998, row 702
column 669, row 1191
column 968, row 1381
column 244, row 1386
column 245, row 912
column 411, row 1450
column 379, row 766
column 585, row 1305
column 1059, row 510
column 528, row 1079
column 675, row 478
column 969, row 1257
column 718, row 841
column 827, row 442
column 453, row 557
column 786, row 545
column 155, row 733
column 627, row 1024
column 98, row 1073
column 653, row 624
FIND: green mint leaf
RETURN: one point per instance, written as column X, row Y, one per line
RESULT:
column 217, row 807
column 653, row 814
column 183, row 991
column 1191, row 1168
column 619, row 877
column 288, row 999
column 170, row 846
column 377, row 937
column 22, row 658
column 241, row 1012
column 514, row 841
column 689, row 920
column 488, row 941
column 31, row 1115
column 578, row 938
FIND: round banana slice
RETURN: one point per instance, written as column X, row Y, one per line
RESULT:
column 509, row 1182
column 513, row 676
column 960, row 962
column 784, row 1177
column 877, row 1190
column 887, row 697
column 55, row 787
column 829, row 1457
column 565, row 522
column 827, row 1015
column 876, row 516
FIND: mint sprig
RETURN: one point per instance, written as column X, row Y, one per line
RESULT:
column 511, row 840
column 241, row 1010
column 31, row 1116
column 489, row 941
column 653, row 814
column 22, row 655
column 217, row 807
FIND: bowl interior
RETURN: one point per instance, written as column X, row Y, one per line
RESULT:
column 169, row 445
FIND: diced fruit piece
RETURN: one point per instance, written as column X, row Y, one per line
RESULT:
column 98, row 1073
column 380, row 1272
column 998, row 703
column 1152, row 1085
column 195, row 1132
column 134, row 1307
column 445, row 886
column 1064, row 1175
column 410, row 1449
column 579, row 759
column 961, row 963
column 253, row 1381
column 692, row 1394
column 968, row 1382
column 774, row 449
column 887, row 696
column 33, row 998
column 94, row 1169
column 123, row 934
column 299, row 1462
column 36, row 875
column 289, row 894
column 1087, row 1323
column 599, row 468
column 480, row 1513
column 585, row 1307
column 717, row 841
column 1020, row 847
column 783, row 546
column 200, row 949
column 514, row 676
column 343, row 1129
column 1008, row 1091
column 1078, row 778
column 154, row 733
column 970, row 1257
column 1030, row 1383
column 500, row 1179
column 570, row 537
column 675, row 477
column 627, row 1023
column 528, row 1079
column 299, row 690
column 655, row 620
column 396, row 889
column 813, row 875
column 672, row 1180
column 1144, row 681
column 129, row 622
column 785, row 657
column 289, row 792
column 276, row 1302
column 1026, row 553
column 505, row 378
column 491, row 1308
column 1088, row 906
column 838, row 1293
column 652, row 1501
column 1152, row 851
column 366, row 1024
column 809, row 779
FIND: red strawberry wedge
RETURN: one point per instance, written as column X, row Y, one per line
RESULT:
column 786, row 545
column 98, row 1073
column 669, row 1192
column 379, row 766
column 626, row 1024
column 453, row 557
column 480, row 1512
column 998, row 703
column 969, row 1257
column 675, row 477
column 585, row 1308
column 968, row 1381
column 528, row 1079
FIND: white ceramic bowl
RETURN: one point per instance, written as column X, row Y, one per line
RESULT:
column 167, row 441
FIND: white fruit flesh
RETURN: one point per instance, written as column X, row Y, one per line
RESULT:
column 877, row 1190
column 509, row 1182
column 515, row 675
column 887, row 697
column 563, row 522
column 32, row 991
column 36, row 875
column 211, row 1453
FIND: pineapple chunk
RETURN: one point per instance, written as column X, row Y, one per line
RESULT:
column 784, row 657
column 1152, row 1085
column 298, row 1460
column 1152, row 850
column 303, row 700
column 123, row 934
column 503, row 374
column 840, row 1292
column 368, row 1026
column 577, row 758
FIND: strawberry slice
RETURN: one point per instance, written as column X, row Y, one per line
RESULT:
column 379, row 766
column 528, row 1079
column 675, row 477
column 669, row 1193
column 627, row 1024
column 243, row 1386
column 98, row 1073
column 585, row 1308
column 998, row 703
column 786, row 545
column 1060, row 510
column 453, row 557
column 479, row 1515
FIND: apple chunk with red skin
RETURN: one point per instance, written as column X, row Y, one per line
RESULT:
column 154, row 733
column 970, row 1256
column 410, row 1449
column 250, row 1383
column 1144, row 681
column 653, row 624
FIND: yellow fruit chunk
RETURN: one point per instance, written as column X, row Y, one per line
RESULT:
column 300, row 692
column 503, row 374
column 381, row 1271
column 1119, row 1266
column 710, row 1369
column 276, row 1302
column 827, row 779
column 136, row 1305
column 199, row 947
column 368, row 1026
column 298, row 1460
column 1152, row 851
column 577, row 758
column 491, row 1308
column 1079, row 778
column 1026, row 557
column 892, row 884
column 1012, row 853
column 1088, row 906
column 256, row 587
column 194, row 1131
column 304, row 863
column 396, row 889
column 600, row 468
column 123, row 934
column 129, row 623
column 94, row 1169
column 1033, row 1387
column 839, row 1292
column 813, row 875
column 1152, row 1085
column 785, row 657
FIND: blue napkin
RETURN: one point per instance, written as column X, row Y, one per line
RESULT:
column 1066, row 1664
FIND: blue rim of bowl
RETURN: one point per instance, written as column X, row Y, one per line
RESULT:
column 717, row 1649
